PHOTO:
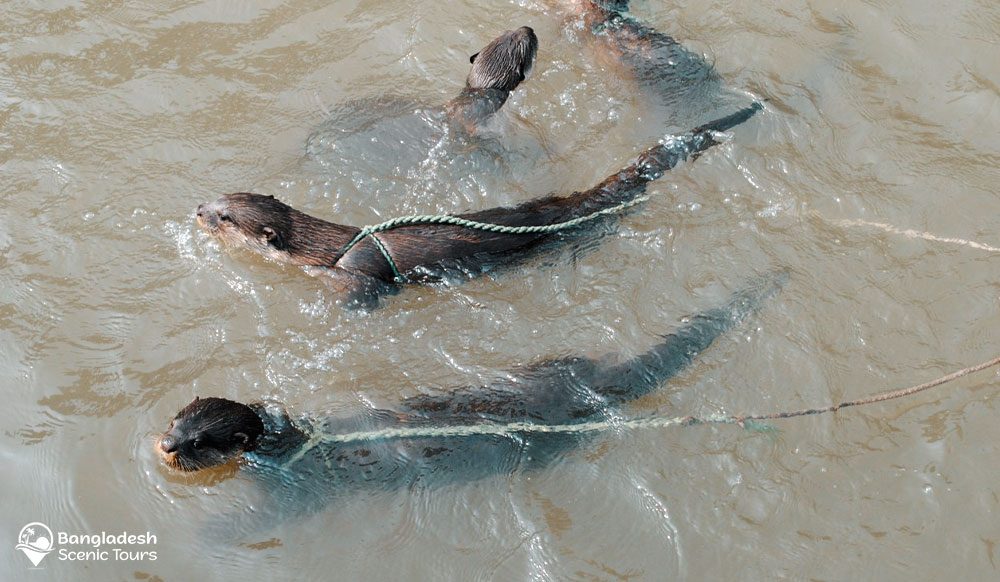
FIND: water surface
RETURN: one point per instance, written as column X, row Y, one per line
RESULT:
column 117, row 119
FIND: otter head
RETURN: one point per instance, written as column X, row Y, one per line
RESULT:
column 259, row 223
column 209, row 432
column 505, row 62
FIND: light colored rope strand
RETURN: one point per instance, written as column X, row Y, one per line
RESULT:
column 507, row 429
column 513, row 428
column 683, row 144
column 911, row 233
column 388, row 258
column 453, row 220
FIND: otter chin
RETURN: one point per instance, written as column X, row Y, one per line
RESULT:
column 209, row 432
column 228, row 217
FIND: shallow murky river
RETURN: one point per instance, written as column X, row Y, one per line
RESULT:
column 881, row 127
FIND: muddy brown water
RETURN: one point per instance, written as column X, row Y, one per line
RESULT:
column 118, row 118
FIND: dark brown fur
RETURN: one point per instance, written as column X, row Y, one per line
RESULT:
column 213, row 431
column 496, row 71
column 276, row 230
column 656, row 60
column 209, row 432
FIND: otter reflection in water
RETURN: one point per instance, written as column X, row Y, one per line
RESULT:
column 287, row 454
column 421, row 253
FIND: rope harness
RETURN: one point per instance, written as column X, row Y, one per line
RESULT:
column 452, row 220
column 513, row 429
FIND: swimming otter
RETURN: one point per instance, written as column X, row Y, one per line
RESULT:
column 408, row 129
column 496, row 71
column 653, row 56
column 267, row 226
column 678, row 78
column 210, row 432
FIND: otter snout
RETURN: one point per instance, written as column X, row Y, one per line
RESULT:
column 208, row 216
column 528, row 46
column 168, row 444
column 168, row 448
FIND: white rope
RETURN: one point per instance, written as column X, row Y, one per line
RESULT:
column 506, row 429
column 910, row 233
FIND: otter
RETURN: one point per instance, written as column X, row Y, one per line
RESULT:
column 293, row 455
column 496, row 71
column 654, row 57
column 406, row 131
column 420, row 253
column 679, row 79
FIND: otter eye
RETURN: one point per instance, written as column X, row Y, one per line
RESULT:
column 197, row 443
column 225, row 218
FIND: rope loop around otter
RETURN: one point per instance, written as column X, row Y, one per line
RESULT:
column 750, row 421
column 452, row 220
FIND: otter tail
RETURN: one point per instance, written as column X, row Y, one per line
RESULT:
column 652, row 163
column 631, row 181
column 621, row 187
column 644, row 373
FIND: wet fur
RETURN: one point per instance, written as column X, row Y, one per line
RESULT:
column 496, row 71
column 504, row 63
column 676, row 78
column 278, row 231
column 209, row 432
column 557, row 391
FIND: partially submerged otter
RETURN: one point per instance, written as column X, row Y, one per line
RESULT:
column 679, row 79
column 496, row 71
column 370, row 137
column 419, row 252
column 294, row 456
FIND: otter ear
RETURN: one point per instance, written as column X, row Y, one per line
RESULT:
column 472, row 59
column 272, row 236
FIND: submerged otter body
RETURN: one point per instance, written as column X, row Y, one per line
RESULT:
column 680, row 80
column 655, row 58
column 213, row 431
column 365, row 268
column 496, row 71
column 390, row 142
column 419, row 252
